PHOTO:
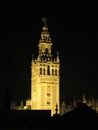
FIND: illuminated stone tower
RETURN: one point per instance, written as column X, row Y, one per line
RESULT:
column 45, row 75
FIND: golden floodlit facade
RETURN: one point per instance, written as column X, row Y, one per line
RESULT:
column 45, row 75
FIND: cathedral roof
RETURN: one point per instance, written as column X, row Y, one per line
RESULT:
column 81, row 111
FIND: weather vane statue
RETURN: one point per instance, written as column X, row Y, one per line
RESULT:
column 44, row 19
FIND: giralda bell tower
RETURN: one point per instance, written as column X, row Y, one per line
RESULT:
column 45, row 75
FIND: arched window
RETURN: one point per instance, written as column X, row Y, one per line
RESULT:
column 40, row 71
column 46, row 50
column 43, row 71
column 52, row 71
column 48, row 102
column 48, row 70
column 48, row 94
column 56, row 72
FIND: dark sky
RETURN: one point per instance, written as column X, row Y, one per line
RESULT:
column 73, row 35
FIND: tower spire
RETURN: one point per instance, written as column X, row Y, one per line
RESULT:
column 57, row 57
column 45, row 42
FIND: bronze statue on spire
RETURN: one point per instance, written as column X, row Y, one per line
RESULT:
column 44, row 19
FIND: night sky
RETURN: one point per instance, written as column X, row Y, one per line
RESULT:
column 73, row 36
